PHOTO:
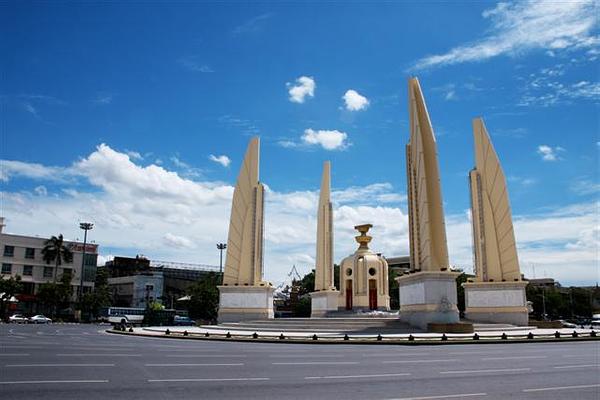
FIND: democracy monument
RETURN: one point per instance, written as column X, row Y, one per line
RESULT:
column 428, row 293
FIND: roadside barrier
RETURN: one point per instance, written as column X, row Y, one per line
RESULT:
column 379, row 338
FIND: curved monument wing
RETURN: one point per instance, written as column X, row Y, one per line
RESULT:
column 324, row 260
column 427, row 230
column 494, row 244
column 244, row 261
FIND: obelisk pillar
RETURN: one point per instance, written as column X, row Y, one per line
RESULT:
column 244, row 294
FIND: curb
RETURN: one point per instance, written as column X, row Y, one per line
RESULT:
column 325, row 340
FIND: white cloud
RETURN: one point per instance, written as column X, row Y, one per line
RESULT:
column 584, row 187
column 252, row 25
column 304, row 86
column 524, row 26
column 154, row 211
column 134, row 155
column 355, row 101
column 193, row 63
column 223, row 160
column 329, row 140
column 177, row 241
column 549, row 153
column 10, row 168
column 103, row 99
column 41, row 190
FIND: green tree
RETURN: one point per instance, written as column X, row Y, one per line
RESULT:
column 92, row 302
column 56, row 252
column 460, row 291
column 307, row 284
column 8, row 288
column 204, row 298
column 56, row 295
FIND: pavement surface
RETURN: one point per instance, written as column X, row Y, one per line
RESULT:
column 84, row 362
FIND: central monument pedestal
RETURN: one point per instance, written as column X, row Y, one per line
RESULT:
column 324, row 302
column 428, row 297
column 242, row 303
column 497, row 302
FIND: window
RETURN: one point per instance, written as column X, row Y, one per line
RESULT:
column 9, row 251
column 28, row 270
column 91, row 260
column 30, row 253
column 48, row 272
column 6, row 268
column 67, row 271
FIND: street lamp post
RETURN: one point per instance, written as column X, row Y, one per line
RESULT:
column 221, row 247
column 86, row 226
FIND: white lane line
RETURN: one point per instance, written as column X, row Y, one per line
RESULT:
column 205, row 356
column 97, row 355
column 194, row 365
column 446, row 396
column 40, row 382
column 13, row 354
column 355, row 376
column 483, row 371
column 513, row 358
column 578, row 366
column 305, row 356
column 395, row 354
column 419, row 361
column 562, row 388
column 208, row 380
column 317, row 363
column 58, row 365
column 580, row 355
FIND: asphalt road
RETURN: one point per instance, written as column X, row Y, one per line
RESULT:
column 83, row 362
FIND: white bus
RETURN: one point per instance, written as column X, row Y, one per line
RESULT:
column 122, row 315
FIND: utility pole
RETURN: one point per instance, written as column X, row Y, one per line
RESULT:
column 86, row 226
column 221, row 247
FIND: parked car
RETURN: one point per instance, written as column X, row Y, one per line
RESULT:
column 18, row 319
column 40, row 319
column 567, row 324
column 178, row 320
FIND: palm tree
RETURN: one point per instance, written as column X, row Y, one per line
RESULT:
column 55, row 251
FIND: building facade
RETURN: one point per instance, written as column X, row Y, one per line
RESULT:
column 21, row 255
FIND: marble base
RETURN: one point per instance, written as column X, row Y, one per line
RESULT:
column 324, row 303
column 428, row 297
column 496, row 302
column 243, row 303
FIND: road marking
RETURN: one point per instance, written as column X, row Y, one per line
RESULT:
column 205, row 356
column 578, row 366
column 395, row 354
column 97, row 355
column 316, row 363
column 13, row 354
column 193, row 365
column 513, row 358
column 40, row 382
column 482, row 371
column 447, row 396
column 58, row 365
column 208, row 380
column 562, row 388
column 354, row 376
column 419, row 361
column 305, row 356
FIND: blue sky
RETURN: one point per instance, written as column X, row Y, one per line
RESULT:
column 112, row 113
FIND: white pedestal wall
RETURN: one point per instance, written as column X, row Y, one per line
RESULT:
column 242, row 303
column 324, row 302
column 496, row 302
column 428, row 297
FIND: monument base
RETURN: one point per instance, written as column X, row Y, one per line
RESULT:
column 496, row 302
column 324, row 303
column 428, row 297
column 243, row 303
